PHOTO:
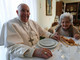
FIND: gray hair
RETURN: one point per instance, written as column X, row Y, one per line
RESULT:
column 66, row 15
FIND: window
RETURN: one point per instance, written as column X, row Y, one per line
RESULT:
column 8, row 9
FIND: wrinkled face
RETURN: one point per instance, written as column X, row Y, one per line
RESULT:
column 23, row 12
column 65, row 23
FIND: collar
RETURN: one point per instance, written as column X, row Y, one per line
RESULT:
column 22, row 21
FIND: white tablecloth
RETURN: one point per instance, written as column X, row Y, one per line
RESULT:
column 61, row 53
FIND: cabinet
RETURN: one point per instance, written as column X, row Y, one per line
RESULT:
column 79, row 11
column 59, row 8
column 74, row 9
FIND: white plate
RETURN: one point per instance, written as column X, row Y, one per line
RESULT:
column 47, row 43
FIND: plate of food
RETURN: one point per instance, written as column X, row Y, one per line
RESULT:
column 47, row 43
column 69, row 41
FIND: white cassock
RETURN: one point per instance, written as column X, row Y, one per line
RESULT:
column 19, row 37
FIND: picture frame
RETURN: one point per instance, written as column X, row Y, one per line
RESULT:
column 48, row 7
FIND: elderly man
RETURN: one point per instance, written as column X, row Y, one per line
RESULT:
column 20, row 34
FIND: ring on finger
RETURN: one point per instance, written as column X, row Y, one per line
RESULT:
column 45, row 53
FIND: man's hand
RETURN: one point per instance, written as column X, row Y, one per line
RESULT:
column 56, row 36
column 42, row 53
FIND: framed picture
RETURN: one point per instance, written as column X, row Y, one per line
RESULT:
column 48, row 7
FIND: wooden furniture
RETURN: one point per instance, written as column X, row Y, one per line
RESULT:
column 74, row 9
column 59, row 8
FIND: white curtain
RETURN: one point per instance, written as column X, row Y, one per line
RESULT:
column 8, row 9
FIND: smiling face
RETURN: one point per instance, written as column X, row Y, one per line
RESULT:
column 65, row 23
column 23, row 12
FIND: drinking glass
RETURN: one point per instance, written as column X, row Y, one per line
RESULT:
column 63, row 52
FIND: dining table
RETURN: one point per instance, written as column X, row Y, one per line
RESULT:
column 60, row 52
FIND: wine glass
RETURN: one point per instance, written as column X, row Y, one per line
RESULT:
column 63, row 52
column 78, row 49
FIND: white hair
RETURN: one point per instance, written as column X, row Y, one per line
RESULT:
column 19, row 6
column 70, row 16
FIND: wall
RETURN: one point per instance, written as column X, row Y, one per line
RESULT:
column 43, row 20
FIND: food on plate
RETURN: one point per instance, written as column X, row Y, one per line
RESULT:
column 68, row 41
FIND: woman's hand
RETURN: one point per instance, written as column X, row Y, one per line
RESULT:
column 42, row 53
column 76, row 36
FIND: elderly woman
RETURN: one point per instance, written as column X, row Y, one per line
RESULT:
column 66, row 28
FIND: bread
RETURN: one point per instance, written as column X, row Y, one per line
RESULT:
column 68, row 41
column 71, row 41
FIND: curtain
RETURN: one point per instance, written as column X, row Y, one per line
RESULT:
column 8, row 9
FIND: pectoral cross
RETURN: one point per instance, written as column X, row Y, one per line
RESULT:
column 31, row 40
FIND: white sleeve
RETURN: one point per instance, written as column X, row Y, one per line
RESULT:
column 42, row 31
column 9, row 35
column 19, row 50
